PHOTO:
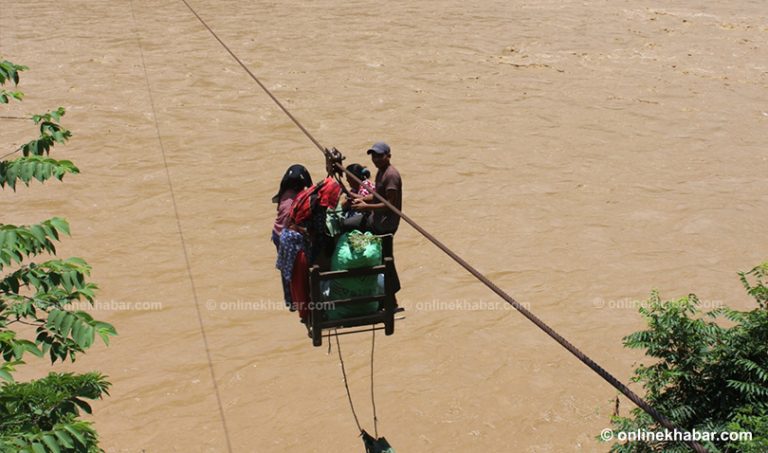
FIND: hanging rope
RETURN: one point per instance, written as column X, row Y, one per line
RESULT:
column 477, row 274
column 346, row 385
column 373, row 398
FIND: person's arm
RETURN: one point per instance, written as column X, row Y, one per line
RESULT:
column 354, row 196
column 361, row 205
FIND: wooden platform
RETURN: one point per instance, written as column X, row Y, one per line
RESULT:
column 317, row 320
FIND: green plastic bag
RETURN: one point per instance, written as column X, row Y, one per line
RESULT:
column 355, row 250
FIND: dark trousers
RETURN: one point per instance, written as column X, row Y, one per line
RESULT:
column 388, row 247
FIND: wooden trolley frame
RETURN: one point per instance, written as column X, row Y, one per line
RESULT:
column 316, row 321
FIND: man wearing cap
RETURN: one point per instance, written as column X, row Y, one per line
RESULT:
column 389, row 185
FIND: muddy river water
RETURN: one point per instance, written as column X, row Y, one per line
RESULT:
column 580, row 153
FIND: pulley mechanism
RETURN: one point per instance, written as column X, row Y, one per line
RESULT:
column 333, row 159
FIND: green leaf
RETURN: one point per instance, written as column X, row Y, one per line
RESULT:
column 85, row 316
column 66, row 325
column 66, row 281
column 27, row 172
column 38, row 232
column 88, row 336
column 33, row 349
column 18, row 351
column 64, row 438
column 38, row 448
column 5, row 375
column 76, row 434
column 77, row 328
column 54, row 317
column 105, row 330
column 83, row 405
column 51, row 443
column 60, row 224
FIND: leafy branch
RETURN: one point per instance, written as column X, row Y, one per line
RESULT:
column 42, row 415
column 10, row 72
column 706, row 376
column 34, row 167
column 18, row 242
column 51, row 132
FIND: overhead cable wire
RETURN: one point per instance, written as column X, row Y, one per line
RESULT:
column 253, row 76
column 618, row 385
column 193, row 286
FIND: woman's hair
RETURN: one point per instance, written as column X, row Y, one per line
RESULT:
column 296, row 177
column 358, row 170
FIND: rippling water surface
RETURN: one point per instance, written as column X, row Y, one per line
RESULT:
column 579, row 153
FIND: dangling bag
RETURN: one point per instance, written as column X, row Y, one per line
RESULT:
column 379, row 445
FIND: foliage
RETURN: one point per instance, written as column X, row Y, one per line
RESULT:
column 32, row 164
column 708, row 376
column 37, row 313
column 42, row 415
column 9, row 72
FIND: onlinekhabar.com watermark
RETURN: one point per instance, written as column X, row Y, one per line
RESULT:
column 413, row 306
column 243, row 305
column 116, row 305
column 261, row 305
column 634, row 304
column 667, row 435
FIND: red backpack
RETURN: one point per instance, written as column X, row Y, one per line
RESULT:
column 324, row 194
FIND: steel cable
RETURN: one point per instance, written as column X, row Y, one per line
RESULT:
column 618, row 385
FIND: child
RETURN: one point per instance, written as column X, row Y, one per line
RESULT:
column 362, row 174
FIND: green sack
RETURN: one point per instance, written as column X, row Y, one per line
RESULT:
column 355, row 250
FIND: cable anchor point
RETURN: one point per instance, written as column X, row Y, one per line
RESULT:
column 333, row 159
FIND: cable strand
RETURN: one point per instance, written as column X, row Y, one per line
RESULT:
column 256, row 79
column 469, row 268
column 187, row 263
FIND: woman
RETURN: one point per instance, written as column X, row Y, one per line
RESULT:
column 295, row 180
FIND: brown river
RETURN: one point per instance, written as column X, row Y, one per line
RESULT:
column 580, row 153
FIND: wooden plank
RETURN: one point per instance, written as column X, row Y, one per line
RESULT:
column 356, row 321
column 358, row 300
column 358, row 272
column 315, row 312
column 389, row 300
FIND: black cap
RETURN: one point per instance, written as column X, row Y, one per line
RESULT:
column 379, row 148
